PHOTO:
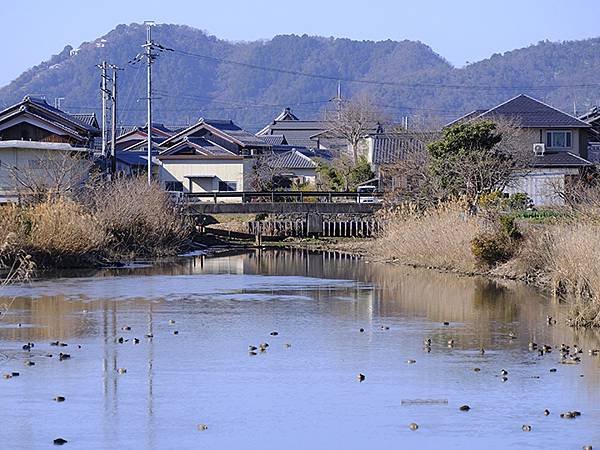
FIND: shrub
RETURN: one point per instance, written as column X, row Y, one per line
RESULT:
column 491, row 248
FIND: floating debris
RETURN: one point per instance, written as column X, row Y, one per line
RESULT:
column 424, row 402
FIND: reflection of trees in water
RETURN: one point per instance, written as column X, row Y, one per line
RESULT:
column 493, row 300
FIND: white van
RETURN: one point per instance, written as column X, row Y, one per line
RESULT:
column 366, row 194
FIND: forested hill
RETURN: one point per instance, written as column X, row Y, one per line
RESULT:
column 209, row 77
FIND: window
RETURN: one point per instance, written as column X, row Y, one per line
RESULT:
column 558, row 139
column 227, row 186
column 174, row 186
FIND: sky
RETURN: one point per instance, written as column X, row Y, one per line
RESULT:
column 461, row 31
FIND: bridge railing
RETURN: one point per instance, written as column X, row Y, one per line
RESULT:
column 283, row 196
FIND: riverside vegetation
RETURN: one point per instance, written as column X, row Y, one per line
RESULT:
column 103, row 222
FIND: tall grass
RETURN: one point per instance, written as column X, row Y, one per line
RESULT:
column 118, row 220
column 438, row 237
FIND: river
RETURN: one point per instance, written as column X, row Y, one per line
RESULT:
column 303, row 391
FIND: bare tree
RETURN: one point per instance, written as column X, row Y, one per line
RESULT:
column 352, row 121
column 265, row 169
column 51, row 174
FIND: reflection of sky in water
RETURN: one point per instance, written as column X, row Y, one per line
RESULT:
column 302, row 397
column 173, row 287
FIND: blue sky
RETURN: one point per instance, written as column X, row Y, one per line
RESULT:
column 459, row 30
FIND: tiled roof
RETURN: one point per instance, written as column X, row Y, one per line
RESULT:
column 136, row 158
column 86, row 118
column 530, row 113
column 559, row 159
column 197, row 146
column 230, row 128
column 65, row 116
column 391, row 148
column 274, row 139
column 293, row 160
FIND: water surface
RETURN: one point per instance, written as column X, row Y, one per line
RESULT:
column 305, row 395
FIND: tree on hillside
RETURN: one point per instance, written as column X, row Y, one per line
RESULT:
column 352, row 121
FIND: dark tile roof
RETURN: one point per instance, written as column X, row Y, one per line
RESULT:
column 86, row 118
column 559, row 159
column 274, row 139
column 135, row 158
column 292, row 160
column 531, row 113
column 41, row 103
column 230, row 128
column 393, row 147
column 199, row 146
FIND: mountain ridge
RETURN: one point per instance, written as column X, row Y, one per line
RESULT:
column 409, row 78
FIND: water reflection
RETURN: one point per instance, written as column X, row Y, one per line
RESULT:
column 318, row 302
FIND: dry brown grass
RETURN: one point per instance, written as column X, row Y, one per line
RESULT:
column 574, row 266
column 438, row 237
column 121, row 220
column 139, row 219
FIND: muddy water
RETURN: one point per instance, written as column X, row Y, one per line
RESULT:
column 301, row 396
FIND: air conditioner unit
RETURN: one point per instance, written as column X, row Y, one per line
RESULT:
column 539, row 149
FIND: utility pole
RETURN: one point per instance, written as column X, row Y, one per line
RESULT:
column 113, row 121
column 338, row 100
column 149, row 46
column 104, row 91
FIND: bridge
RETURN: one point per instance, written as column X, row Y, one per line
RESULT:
column 281, row 202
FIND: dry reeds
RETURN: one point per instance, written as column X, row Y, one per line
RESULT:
column 437, row 237
column 119, row 220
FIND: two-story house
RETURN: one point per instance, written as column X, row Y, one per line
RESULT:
column 32, row 133
column 557, row 140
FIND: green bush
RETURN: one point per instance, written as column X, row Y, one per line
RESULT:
column 492, row 248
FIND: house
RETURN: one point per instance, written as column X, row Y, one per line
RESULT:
column 209, row 156
column 557, row 140
column 32, row 133
column 132, row 149
column 304, row 133
column 218, row 155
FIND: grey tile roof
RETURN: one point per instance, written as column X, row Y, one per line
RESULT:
column 86, row 118
column 559, row 159
column 293, row 160
column 230, row 128
column 531, row 113
column 40, row 103
column 393, row 147
column 135, row 158
column 274, row 139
